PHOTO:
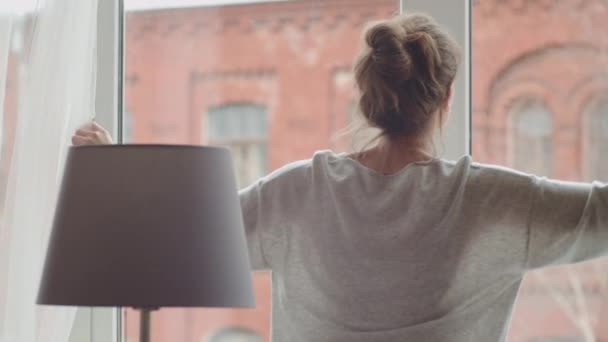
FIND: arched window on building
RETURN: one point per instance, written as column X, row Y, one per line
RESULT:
column 127, row 126
column 234, row 334
column 556, row 339
column 596, row 141
column 530, row 137
column 243, row 128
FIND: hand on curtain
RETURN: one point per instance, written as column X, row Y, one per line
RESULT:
column 91, row 134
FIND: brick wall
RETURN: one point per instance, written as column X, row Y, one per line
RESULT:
column 550, row 50
column 288, row 56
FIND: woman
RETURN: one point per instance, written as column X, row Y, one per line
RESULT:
column 393, row 244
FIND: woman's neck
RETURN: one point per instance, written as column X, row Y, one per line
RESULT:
column 392, row 155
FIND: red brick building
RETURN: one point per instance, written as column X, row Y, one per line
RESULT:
column 542, row 56
column 292, row 58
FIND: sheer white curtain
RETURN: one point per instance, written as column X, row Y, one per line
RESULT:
column 47, row 77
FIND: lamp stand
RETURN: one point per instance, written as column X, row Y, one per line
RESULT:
column 144, row 323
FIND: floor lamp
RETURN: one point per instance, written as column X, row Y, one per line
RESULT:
column 147, row 227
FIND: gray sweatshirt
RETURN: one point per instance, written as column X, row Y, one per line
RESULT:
column 433, row 253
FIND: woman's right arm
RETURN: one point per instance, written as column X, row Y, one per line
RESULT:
column 91, row 134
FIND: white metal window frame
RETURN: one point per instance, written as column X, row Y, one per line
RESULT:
column 104, row 325
column 455, row 16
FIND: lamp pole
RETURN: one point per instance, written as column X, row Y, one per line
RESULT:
column 144, row 323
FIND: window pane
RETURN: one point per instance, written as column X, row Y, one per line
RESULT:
column 271, row 80
column 596, row 131
column 531, row 137
column 243, row 129
column 540, row 79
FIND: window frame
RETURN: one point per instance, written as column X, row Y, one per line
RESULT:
column 97, row 325
column 456, row 139
column 104, row 324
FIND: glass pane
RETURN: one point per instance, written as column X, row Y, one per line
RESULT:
column 236, row 122
column 539, row 102
column 271, row 80
column 597, row 129
column 243, row 129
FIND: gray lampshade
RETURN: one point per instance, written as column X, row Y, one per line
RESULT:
column 148, row 226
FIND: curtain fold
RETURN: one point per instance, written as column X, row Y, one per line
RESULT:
column 47, row 78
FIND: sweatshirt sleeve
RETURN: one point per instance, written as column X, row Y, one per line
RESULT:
column 267, row 205
column 251, row 205
column 567, row 222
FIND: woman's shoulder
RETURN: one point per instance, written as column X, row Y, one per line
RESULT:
column 301, row 166
column 301, row 170
column 329, row 161
column 288, row 172
column 481, row 176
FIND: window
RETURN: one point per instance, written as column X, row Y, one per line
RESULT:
column 596, row 141
column 235, row 335
column 270, row 80
column 556, row 339
column 531, row 137
column 243, row 128
column 536, row 65
column 127, row 125
column 186, row 60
